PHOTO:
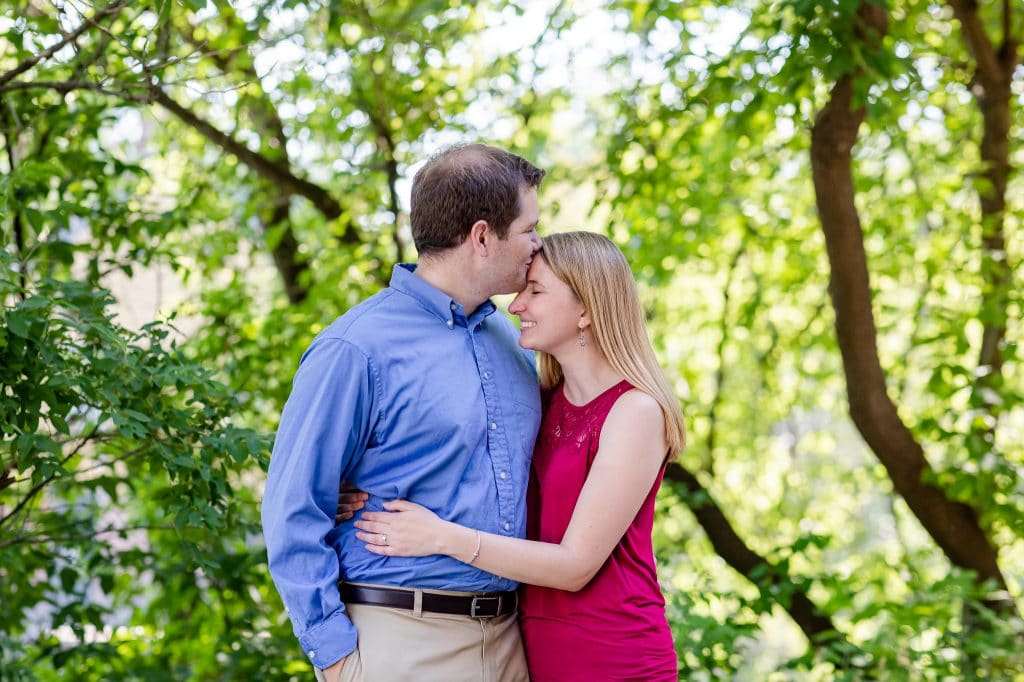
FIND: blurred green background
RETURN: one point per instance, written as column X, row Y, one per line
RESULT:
column 819, row 200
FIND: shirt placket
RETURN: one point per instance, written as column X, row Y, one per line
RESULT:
column 497, row 433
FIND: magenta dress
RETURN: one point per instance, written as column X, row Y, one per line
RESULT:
column 615, row 627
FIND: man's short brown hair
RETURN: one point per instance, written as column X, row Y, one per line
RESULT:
column 463, row 184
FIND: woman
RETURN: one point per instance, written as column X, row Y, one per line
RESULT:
column 592, row 607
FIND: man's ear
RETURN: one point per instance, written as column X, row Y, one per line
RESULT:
column 480, row 236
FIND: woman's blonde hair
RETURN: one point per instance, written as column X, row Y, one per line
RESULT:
column 597, row 272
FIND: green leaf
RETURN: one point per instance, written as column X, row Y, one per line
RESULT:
column 17, row 324
column 60, row 424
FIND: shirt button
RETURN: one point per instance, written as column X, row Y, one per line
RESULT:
column 503, row 475
column 508, row 526
column 493, row 426
column 487, row 375
column 312, row 654
column 450, row 324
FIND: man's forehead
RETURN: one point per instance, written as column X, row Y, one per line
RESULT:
column 529, row 208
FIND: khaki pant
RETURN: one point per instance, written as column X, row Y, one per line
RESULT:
column 396, row 645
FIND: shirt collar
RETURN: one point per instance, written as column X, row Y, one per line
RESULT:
column 434, row 300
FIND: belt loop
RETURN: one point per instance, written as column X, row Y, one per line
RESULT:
column 417, row 603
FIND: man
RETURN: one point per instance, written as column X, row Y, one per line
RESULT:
column 421, row 393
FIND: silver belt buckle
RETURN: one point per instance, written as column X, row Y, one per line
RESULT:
column 476, row 604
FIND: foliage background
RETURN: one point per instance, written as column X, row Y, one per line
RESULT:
column 250, row 162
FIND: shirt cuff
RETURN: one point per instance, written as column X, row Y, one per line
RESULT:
column 330, row 641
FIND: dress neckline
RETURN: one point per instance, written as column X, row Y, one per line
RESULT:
column 573, row 406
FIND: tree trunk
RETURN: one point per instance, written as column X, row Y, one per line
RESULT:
column 952, row 525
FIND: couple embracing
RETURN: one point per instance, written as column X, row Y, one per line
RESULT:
column 429, row 403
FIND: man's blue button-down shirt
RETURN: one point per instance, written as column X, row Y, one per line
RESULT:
column 406, row 397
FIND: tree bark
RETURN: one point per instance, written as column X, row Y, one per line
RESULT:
column 952, row 525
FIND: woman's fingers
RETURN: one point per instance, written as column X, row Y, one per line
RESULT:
column 371, row 526
column 380, row 517
column 379, row 549
column 372, row 538
column 401, row 505
column 375, row 543
column 379, row 543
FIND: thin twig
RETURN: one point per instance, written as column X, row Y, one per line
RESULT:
column 42, row 484
column 27, row 64
column 65, row 87
column 110, row 463
column 40, row 539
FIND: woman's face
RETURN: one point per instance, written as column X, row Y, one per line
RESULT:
column 548, row 311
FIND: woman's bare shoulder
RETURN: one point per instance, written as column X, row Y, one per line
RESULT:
column 635, row 419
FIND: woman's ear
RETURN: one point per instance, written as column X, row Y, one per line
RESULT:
column 584, row 320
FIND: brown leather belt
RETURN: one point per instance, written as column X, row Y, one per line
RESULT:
column 481, row 605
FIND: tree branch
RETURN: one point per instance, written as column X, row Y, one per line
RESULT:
column 978, row 42
column 111, row 9
column 291, row 266
column 7, row 476
column 817, row 626
column 7, row 119
column 276, row 172
column 46, row 481
column 42, row 538
column 111, row 462
column 386, row 146
column 65, row 87
column 1008, row 36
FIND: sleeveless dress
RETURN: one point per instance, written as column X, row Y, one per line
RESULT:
column 615, row 627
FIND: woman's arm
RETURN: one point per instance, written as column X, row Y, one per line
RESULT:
column 628, row 460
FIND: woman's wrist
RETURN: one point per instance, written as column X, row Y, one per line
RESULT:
column 458, row 542
column 447, row 538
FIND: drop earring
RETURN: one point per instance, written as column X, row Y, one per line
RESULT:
column 583, row 339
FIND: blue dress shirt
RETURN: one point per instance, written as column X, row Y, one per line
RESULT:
column 404, row 396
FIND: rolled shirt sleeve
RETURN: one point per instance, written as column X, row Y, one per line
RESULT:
column 325, row 428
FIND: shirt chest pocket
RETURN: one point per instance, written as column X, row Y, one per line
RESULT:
column 525, row 404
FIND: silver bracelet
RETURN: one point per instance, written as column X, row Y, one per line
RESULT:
column 476, row 552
